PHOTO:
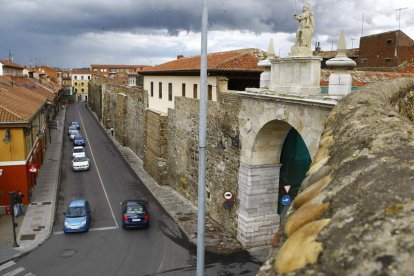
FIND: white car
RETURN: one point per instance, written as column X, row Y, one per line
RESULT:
column 80, row 164
column 78, row 152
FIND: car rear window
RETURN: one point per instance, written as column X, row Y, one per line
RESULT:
column 78, row 150
column 135, row 209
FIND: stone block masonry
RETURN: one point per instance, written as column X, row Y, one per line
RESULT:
column 223, row 150
column 156, row 144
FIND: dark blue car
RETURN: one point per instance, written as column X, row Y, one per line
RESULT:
column 78, row 140
column 77, row 216
column 135, row 214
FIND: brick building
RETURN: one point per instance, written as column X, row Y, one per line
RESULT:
column 385, row 50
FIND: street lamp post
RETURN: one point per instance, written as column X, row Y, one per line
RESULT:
column 12, row 196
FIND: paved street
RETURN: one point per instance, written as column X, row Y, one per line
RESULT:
column 107, row 249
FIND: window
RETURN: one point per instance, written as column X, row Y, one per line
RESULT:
column 364, row 60
column 83, row 90
column 390, row 41
column 76, row 90
column 170, row 92
column 76, row 77
column 82, row 84
column 81, row 77
column 387, row 59
column 76, row 84
column 210, row 92
column 89, row 77
column 195, row 91
column 183, row 90
column 152, row 89
column 160, row 90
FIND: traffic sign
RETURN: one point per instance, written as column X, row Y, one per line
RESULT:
column 287, row 188
column 228, row 195
column 285, row 200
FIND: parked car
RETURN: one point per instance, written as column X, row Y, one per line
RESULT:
column 73, row 133
column 78, row 140
column 71, row 128
column 77, row 216
column 135, row 214
column 75, row 124
column 78, row 152
column 80, row 164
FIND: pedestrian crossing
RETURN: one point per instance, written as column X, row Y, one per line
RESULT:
column 12, row 269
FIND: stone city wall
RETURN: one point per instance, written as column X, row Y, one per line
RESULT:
column 156, row 144
column 354, row 214
column 124, row 109
column 95, row 94
column 223, row 150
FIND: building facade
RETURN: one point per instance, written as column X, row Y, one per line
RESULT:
column 80, row 82
column 181, row 77
column 390, row 49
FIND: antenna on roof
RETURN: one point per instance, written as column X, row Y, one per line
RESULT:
column 10, row 56
column 362, row 29
column 399, row 16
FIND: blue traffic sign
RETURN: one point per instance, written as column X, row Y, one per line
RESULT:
column 285, row 200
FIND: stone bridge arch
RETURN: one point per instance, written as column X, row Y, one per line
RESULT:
column 264, row 125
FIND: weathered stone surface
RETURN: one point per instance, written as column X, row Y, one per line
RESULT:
column 301, row 248
column 322, row 172
column 311, row 191
column 371, row 199
column 305, row 214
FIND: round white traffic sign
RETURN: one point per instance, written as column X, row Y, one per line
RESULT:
column 228, row 195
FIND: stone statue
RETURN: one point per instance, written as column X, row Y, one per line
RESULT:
column 304, row 33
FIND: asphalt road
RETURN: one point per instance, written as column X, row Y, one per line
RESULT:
column 107, row 249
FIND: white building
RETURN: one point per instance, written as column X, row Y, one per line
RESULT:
column 181, row 77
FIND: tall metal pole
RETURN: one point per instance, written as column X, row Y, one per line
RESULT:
column 399, row 16
column 202, row 143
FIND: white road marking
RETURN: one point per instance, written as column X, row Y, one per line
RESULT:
column 7, row 265
column 14, row 271
column 90, row 230
column 29, row 274
column 97, row 170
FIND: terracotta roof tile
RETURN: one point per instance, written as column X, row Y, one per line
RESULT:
column 236, row 60
column 351, row 53
column 360, row 78
column 21, row 98
column 9, row 63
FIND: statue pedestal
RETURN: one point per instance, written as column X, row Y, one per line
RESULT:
column 297, row 75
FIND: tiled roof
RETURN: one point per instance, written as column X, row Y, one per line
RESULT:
column 80, row 72
column 351, row 53
column 116, row 66
column 360, row 78
column 8, row 63
column 236, row 60
column 21, row 98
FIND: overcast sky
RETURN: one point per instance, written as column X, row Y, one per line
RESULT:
column 77, row 33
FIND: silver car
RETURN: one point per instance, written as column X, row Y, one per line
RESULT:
column 80, row 164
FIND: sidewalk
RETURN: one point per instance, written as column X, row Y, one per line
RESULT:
column 36, row 225
column 37, row 222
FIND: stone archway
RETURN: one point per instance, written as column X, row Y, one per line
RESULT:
column 259, row 186
column 264, row 125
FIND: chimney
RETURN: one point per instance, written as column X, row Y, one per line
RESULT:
column 180, row 56
column 317, row 46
